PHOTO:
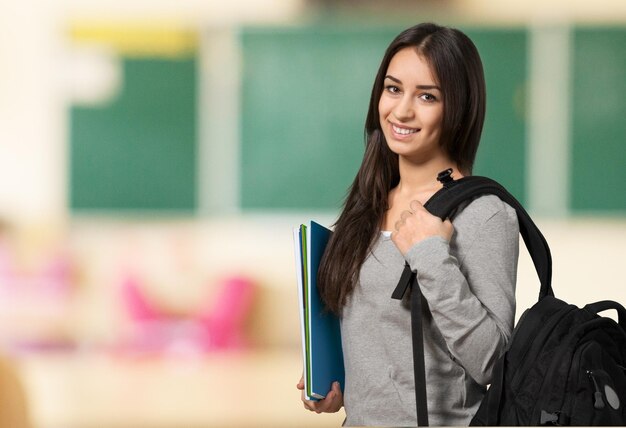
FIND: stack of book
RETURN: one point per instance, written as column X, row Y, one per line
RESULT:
column 319, row 328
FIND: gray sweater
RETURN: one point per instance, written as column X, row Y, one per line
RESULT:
column 469, row 289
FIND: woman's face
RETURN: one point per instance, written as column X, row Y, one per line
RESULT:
column 411, row 107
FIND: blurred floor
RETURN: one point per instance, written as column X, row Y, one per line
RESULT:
column 255, row 389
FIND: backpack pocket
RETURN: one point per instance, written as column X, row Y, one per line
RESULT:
column 597, row 389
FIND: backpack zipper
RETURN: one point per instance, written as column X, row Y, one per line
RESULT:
column 598, row 402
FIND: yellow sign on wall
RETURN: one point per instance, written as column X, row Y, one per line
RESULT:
column 138, row 39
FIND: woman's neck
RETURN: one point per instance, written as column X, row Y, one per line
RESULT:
column 418, row 181
column 422, row 177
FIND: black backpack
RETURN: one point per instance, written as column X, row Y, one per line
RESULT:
column 563, row 365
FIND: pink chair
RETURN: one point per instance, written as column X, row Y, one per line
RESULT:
column 225, row 318
column 136, row 303
column 218, row 326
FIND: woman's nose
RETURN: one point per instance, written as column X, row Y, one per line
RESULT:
column 404, row 111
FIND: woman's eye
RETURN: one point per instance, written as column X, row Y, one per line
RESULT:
column 393, row 89
column 428, row 97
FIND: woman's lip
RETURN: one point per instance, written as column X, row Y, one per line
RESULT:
column 401, row 131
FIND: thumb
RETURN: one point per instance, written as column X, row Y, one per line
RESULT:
column 300, row 384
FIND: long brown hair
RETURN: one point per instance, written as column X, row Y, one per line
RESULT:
column 458, row 68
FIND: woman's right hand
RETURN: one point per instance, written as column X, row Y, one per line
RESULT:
column 330, row 404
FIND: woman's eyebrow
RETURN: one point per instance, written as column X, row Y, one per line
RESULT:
column 428, row 87
column 390, row 77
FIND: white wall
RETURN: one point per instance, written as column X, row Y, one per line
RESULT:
column 32, row 117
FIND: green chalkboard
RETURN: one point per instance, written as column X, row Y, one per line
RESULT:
column 138, row 151
column 304, row 99
column 502, row 152
column 305, row 95
column 598, row 173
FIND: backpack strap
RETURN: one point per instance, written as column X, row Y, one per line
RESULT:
column 408, row 280
column 455, row 192
column 605, row 305
column 442, row 204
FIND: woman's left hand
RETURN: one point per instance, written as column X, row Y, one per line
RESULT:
column 418, row 224
column 330, row 404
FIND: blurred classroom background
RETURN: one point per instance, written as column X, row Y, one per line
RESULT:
column 154, row 157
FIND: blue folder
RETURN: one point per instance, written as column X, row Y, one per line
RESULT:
column 321, row 335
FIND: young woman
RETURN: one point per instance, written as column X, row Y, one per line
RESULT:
column 425, row 115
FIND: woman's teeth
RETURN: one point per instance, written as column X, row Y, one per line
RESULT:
column 403, row 131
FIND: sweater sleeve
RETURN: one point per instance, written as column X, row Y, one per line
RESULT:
column 472, row 302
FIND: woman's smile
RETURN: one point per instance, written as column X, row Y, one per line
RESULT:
column 401, row 132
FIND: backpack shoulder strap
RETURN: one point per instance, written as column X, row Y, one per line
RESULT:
column 455, row 192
